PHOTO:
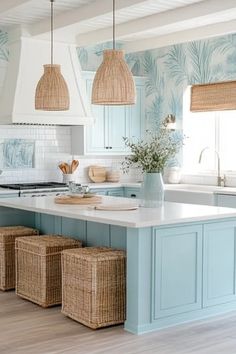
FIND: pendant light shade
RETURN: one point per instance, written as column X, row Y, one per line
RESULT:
column 52, row 92
column 113, row 83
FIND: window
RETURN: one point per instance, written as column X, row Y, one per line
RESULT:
column 216, row 130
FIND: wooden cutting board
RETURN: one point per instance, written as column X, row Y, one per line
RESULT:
column 67, row 199
column 97, row 174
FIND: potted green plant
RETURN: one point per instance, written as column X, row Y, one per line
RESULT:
column 151, row 156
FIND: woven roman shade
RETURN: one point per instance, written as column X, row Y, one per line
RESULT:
column 218, row 96
column 113, row 83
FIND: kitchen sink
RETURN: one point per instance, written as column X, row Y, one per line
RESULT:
column 195, row 193
column 190, row 193
column 192, row 187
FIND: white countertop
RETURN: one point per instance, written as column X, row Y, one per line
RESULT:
column 115, row 185
column 169, row 213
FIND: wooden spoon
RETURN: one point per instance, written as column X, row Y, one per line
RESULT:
column 74, row 165
column 62, row 167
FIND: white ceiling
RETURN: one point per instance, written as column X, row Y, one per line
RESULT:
column 141, row 24
column 32, row 11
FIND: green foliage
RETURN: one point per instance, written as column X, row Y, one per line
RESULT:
column 153, row 153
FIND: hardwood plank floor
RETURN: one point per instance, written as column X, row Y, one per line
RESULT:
column 26, row 328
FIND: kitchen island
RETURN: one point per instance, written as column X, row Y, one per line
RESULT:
column 181, row 258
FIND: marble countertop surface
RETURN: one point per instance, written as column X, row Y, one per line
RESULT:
column 168, row 214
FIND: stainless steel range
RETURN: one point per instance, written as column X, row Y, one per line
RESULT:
column 40, row 189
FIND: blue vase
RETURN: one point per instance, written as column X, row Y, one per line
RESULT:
column 152, row 190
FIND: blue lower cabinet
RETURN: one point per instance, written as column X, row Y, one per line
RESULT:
column 10, row 195
column 114, row 192
column 132, row 193
column 13, row 217
column 177, row 270
column 99, row 191
column 90, row 233
column 219, row 263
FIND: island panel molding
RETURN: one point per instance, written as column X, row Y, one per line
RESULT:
column 219, row 263
column 177, row 270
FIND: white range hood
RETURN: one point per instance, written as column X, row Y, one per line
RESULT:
column 27, row 57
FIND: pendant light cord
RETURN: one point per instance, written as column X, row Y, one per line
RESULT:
column 114, row 25
column 52, row 25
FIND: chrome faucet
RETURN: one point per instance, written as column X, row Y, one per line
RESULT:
column 220, row 179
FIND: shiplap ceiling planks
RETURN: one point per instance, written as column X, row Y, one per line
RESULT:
column 141, row 24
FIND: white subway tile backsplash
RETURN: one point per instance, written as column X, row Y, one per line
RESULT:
column 52, row 146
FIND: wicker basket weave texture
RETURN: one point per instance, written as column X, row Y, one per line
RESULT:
column 8, row 236
column 113, row 83
column 94, row 286
column 38, row 268
column 52, row 92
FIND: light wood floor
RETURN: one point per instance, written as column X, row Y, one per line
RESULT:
column 28, row 329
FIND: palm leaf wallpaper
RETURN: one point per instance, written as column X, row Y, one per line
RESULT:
column 4, row 53
column 175, row 63
column 168, row 70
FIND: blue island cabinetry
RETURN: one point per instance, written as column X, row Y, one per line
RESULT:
column 179, row 267
column 175, row 273
column 182, row 273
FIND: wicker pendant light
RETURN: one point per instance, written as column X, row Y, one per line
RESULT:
column 113, row 83
column 52, row 92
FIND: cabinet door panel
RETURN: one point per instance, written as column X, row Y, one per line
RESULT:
column 177, row 273
column 95, row 134
column 226, row 200
column 137, row 115
column 132, row 193
column 114, row 122
column 117, row 127
column 99, row 191
column 10, row 195
column 116, row 192
column 219, row 263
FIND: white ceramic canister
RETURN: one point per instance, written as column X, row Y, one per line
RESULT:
column 174, row 175
column 69, row 177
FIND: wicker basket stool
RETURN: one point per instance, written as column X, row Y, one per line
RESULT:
column 38, row 267
column 8, row 235
column 94, row 286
